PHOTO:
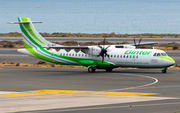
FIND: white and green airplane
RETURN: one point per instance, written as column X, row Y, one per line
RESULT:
column 95, row 57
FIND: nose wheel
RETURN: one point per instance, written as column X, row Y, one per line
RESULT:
column 164, row 70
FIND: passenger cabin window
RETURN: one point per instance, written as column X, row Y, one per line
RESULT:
column 119, row 46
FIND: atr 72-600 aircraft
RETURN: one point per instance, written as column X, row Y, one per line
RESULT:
column 93, row 57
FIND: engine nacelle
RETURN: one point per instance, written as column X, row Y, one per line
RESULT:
column 93, row 50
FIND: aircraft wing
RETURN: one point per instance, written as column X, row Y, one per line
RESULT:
column 70, row 47
column 147, row 43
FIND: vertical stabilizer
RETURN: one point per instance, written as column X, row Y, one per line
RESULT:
column 31, row 37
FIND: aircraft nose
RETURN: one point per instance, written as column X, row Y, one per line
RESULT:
column 171, row 61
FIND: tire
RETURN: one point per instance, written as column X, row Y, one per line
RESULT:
column 164, row 71
column 108, row 70
column 91, row 69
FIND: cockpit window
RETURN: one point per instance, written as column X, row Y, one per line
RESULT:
column 158, row 54
column 163, row 54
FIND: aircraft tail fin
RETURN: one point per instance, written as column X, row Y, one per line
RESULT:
column 31, row 37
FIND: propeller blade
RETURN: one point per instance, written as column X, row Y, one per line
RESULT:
column 107, row 47
column 102, row 58
column 104, row 41
column 134, row 41
column 107, row 55
column 99, row 46
column 140, row 40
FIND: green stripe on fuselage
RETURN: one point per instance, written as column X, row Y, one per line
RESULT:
column 30, row 49
column 167, row 58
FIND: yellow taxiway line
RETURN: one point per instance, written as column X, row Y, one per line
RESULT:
column 92, row 92
column 45, row 91
column 19, row 94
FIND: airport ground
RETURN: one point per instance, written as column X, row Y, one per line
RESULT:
column 74, row 90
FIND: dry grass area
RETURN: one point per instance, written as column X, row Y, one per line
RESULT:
column 44, row 64
column 37, row 65
column 165, row 48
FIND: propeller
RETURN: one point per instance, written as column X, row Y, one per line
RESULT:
column 103, row 52
column 138, row 43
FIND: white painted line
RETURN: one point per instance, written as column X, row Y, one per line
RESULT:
column 12, row 55
column 8, row 92
column 156, row 80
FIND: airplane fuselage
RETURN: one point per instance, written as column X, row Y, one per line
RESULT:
column 118, row 57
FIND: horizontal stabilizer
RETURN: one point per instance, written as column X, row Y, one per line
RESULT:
column 21, row 22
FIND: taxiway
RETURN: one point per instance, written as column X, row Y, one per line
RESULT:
column 74, row 90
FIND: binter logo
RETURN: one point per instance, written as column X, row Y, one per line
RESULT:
column 133, row 52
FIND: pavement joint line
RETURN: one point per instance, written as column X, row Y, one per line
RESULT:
column 92, row 92
column 156, row 81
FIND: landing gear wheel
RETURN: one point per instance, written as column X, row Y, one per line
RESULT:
column 108, row 70
column 164, row 71
column 91, row 69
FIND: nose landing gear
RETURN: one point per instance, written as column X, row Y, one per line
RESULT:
column 163, row 70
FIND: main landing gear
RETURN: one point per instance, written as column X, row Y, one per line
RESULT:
column 91, row 69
